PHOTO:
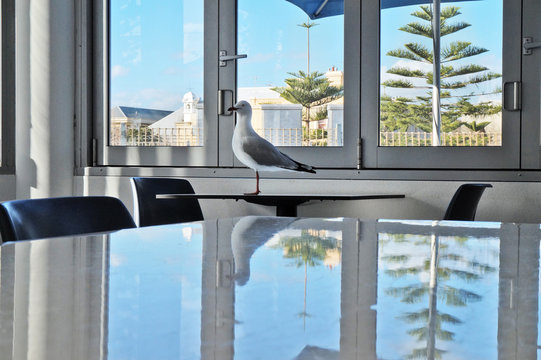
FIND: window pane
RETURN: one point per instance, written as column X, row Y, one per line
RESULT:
column 471, row 68
column 294, row 68
column 156, row 73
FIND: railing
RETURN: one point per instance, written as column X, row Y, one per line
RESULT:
column 301, row 137
column 131, row 136
column 420, row 138
column 122, row 136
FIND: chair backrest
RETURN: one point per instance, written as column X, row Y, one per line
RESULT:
column 463, row 205
column 151, row 211
column 62, row 216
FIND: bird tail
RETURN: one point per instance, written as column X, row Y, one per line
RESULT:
column 304, row 167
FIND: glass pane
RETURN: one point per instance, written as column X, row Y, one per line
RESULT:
column 156, row 73
column 470, row 67
column 293, row 76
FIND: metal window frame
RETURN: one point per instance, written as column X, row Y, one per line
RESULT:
column 217, row 152
column 99, row 151
column 8, row 87
column 380, row 157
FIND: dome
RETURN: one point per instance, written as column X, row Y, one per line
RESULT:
column 189, row 97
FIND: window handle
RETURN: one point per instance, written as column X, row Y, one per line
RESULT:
column 222, row 107
column 224, row 58
column 511, row 103
column 528, row 44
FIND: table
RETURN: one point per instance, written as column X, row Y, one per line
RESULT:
column 275, row 288
column 286, row 204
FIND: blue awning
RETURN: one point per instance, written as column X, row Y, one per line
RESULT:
column 317, row 9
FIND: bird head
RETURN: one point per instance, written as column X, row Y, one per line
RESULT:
column 242, row 107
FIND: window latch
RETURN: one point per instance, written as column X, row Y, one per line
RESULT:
column 222, row 106
column 512, row 96
column 224, row 58
column 528, row 44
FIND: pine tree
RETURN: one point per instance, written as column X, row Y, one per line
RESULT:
column 309, row 90
column 399, row 114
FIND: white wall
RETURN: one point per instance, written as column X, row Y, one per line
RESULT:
column 45, row 102
column 506, row 201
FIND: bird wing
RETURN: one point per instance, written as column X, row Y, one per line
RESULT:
column 266, row 154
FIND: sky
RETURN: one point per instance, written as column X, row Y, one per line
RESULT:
column 156, row 52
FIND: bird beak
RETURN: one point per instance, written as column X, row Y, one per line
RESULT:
column 232, row 108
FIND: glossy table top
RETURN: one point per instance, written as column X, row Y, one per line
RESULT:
column 286, row 204
column 276, row 288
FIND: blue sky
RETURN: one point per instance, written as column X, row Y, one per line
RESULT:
column 157, row 51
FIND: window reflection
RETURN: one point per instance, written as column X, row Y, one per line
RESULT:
column 433, row 292
column 154, row 295
column 293, row 285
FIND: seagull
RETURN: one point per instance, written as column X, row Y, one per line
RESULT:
column 248, row 234
column 256, row 152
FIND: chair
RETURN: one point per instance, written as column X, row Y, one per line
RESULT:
column 463, row 205
column 62, row 216
column 151, row 211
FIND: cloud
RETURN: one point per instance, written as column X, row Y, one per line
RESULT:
column 193, row 28
column 136, row 56
column 189, row 55
column 134, row 31
column 116, row 260
column 119, row 70
column 172, row 70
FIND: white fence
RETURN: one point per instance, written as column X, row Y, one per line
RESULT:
column 120, row 135
column 419, row 138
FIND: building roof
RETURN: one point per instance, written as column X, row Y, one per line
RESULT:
column 248, row 93
column 147, row 115
column 169, row 121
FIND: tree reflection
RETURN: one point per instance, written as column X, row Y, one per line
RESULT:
column 432, row 276
column 309, row 249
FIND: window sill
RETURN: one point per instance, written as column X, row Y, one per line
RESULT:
column 325, row 174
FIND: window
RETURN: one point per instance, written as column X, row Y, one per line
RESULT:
column 294, row 74
column 376, row 59
column 156, row 82
column 156, row 73
column 475, row 126
column 164, row 81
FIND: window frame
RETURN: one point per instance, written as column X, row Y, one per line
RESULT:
column 345, row 156
column 506, row 156
column 105, row 155
column 217, row 151
column 528, row 147
column 8, row 87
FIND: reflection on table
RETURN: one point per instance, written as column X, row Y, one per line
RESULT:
column 275, row 288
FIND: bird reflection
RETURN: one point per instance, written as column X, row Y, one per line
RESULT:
column 248, row 235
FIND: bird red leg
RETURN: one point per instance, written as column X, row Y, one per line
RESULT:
column 256, row 185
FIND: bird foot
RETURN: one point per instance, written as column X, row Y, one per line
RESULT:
column 253, row 193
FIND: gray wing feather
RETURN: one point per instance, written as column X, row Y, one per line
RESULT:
column 264, row 153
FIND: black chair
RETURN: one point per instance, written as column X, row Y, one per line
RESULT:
column 151, row 211
column 463, row 205
column 62, row 216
